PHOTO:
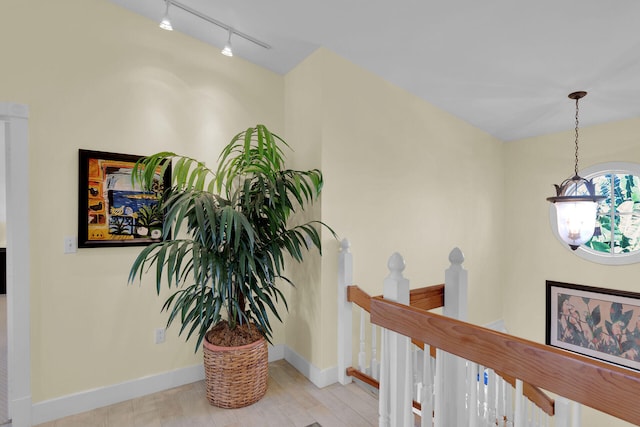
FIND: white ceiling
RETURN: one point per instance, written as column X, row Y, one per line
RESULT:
column 505, row 66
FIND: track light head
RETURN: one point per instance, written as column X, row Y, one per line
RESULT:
column 227, row 50
column 165, row 24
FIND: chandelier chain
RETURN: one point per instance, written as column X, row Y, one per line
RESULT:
column 577, row 110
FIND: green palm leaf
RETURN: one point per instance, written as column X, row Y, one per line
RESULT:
column 231, row 232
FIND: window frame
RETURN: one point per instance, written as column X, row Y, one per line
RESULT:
column 586, row 252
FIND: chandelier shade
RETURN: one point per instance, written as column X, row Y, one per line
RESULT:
column 576, row 211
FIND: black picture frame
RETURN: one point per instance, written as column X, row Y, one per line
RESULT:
column 596, row 322
column 111, row 211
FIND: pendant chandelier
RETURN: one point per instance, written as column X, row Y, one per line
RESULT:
column 575, row 201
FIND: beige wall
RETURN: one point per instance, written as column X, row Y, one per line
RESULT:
column 130, row 85
column 96, row 76
column 400, row 175
column 533, row 254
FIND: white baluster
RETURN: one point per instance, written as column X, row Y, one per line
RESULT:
column 362, row 355
column 383, row 393
column 438, row 392
column 375, row 370
column 415, row 379
column 508, row 391
column 345, row 327
column 482, row 396
column 519, row 415
column 472, row 394
column 575, row 414
column 407, row 402
column 562, row 412
column 500, row 413
column 491, row 396
column 426, row 396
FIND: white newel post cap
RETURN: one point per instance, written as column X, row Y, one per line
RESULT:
column 396, row 287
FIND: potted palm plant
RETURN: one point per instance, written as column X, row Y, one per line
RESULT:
column 227, row 236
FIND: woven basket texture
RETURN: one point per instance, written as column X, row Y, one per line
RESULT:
column 236, row 376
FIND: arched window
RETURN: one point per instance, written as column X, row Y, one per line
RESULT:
column 617, row 237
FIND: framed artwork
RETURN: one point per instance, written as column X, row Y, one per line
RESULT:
column 596, row 322
column 111, row 211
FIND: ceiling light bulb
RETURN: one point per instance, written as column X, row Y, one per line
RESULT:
column 165, row 24
column 228, row 51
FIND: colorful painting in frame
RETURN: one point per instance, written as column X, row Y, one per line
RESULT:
column 596, row 322
column 111, row 211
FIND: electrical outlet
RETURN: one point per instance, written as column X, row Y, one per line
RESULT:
column 160, row 335
column 70, row 246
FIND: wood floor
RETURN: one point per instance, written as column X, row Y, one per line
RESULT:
column 291, row 401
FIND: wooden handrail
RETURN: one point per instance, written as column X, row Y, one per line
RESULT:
column 604, row 387
column 360, row 297
column 426, row 298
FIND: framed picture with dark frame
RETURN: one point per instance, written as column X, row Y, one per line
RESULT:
column 595, row 322
column 111, row 211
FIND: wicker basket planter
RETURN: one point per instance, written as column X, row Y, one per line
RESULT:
column 236, row 376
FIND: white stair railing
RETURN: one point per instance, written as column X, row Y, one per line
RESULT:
column 449, row 390
column 367, row 363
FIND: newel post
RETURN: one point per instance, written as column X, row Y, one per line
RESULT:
column 345, row 328
column 450, row 407
column 456, row 287
column 395, row 398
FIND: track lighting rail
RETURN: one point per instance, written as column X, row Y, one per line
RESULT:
column 218, row 23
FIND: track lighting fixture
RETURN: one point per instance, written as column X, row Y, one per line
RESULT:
column 166, row 24
column 228, row 51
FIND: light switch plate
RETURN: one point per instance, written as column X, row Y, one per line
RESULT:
column 70, row 246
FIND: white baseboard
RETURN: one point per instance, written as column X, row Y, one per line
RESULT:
column 21, row 412
column 321, row 378
column 76, row 403
column 64, row 406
